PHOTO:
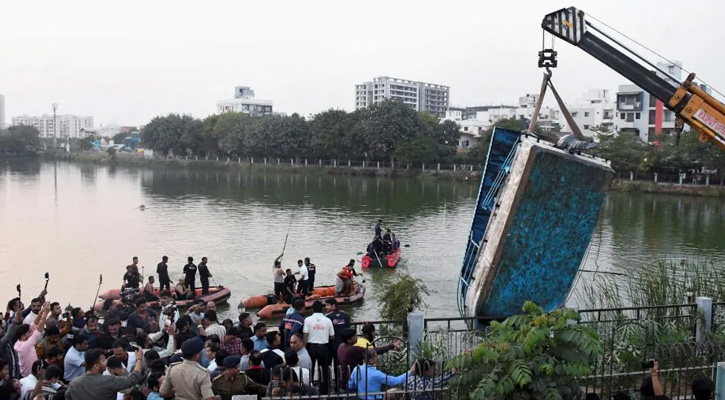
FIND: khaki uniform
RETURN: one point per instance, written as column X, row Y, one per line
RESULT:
column 188, row 380
column 241, row 384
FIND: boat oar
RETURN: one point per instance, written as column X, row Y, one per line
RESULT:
column 286, row 236
column 100, row 281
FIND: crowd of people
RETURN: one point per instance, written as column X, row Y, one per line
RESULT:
column 47, row 352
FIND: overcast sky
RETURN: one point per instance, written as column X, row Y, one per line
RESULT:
column 126, row 62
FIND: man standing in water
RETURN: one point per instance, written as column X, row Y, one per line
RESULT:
column 278, row 275
column 190, row 272
column 204, row 276
column 163, row 270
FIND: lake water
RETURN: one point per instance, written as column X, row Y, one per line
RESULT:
column 77, row 221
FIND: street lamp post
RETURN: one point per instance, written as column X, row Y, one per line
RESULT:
column 55, row 128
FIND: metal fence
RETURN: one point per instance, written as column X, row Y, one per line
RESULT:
column 629, row 336
column 316, row 162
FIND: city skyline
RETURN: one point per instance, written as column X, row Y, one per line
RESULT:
column 306, row 57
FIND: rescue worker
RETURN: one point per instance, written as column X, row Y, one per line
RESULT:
column 311, row 271
column 233, row 382
column 188, row 380
column 204, row 276
column 378, row 228
column 190, row 272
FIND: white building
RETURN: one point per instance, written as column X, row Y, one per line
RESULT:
column 594, row 110
column 420, row 96
column 475, row 121
column 245, row 102
column 71, row 126
column 639, row 113
column 2, row 112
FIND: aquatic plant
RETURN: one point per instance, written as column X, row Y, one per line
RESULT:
column 534, row 355
column 399, row 296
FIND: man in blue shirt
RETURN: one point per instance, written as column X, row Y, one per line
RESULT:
column 294, row 322
column 368, row 381
column 259, row 338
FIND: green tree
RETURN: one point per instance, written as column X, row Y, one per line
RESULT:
column 400, row 296
column 278, row 136
column 118, row 138
column 20, row 139
column 625, row 151
column 331, row 134
column 534, row 355
column 180, row 134
column 225, row 133
column 384, row 125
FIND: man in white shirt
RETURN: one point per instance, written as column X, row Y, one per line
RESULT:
column 35, row 306
column 28, row 383
column 318, row 333
column 169, row 312
column 74, row 362
column 304, row 278
column 211, row 327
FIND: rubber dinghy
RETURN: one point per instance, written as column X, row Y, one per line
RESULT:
column 262, row 300
column 217, row 294
column 278, row 310
column 390, row 260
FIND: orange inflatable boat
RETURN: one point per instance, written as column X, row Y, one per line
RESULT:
column 261, row 301
column 278, row 310
column 217, row 294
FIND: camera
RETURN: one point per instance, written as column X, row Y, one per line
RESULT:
column 648, row 364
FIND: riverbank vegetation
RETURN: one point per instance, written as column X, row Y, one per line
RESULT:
column 20, row 140
column 387, row 131
column 669, row 157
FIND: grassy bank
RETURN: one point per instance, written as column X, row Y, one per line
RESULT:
column 131, row 160
column 667, row 188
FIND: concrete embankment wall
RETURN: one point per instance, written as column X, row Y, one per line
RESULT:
column 130, row 160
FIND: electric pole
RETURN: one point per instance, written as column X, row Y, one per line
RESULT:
column 55, row 128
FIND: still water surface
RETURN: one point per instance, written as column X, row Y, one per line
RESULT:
column 78, row 221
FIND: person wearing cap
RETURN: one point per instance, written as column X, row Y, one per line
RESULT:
column 188, row 380
column 233, row 382
column 318, row 333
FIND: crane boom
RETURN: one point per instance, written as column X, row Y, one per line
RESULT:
column 688, row 101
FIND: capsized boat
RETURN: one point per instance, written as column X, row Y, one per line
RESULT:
column 390, row 260
column 278, row 310
column 536, row 212
column 263, row 300
column 217, row 294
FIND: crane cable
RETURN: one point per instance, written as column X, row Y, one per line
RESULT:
column 653, row 52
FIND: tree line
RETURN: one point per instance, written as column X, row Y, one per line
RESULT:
column 387, row 131
column 20, row 140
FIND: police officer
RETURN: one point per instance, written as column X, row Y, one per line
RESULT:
column 190, row 273
column 188, row 380
column 233, row 382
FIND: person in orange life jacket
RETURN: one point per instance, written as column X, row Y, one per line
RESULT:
column 294, row 322
column 311, row 271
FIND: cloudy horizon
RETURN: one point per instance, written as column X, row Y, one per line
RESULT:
column 127, row 62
